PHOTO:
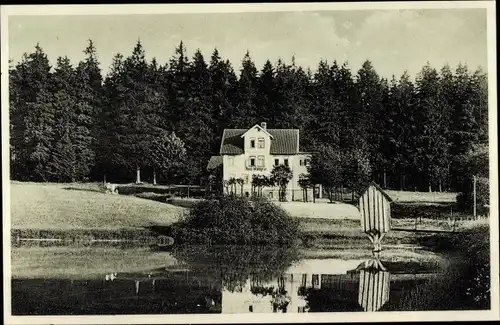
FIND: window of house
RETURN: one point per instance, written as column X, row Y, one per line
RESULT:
column 252, row 143
column 231, row 161
column 286, row 162
column 260, row 161
column 252, row 161
column 301, row 162
column 315, row 280
column 276, row 162
column 245, row 178
column 261, row 143
column 307, row 162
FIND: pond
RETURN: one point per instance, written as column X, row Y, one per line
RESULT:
column 72, row 280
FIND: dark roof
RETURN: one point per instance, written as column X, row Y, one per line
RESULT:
column 214, row 162
column 284, row 142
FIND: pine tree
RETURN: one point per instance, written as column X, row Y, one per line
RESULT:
column 432, row 144
column 399, row 145
column 223, row 82
column 463, row 128
column 110, row 154
column 197, row 123
column 246, row 113
column 64, row 160
column 32, row 117
column 370, row 114
column 266, row 93
column 133, row 124
column 88, row 110
column 177, row 84
column 479, row 100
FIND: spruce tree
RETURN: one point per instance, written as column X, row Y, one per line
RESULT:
column 369, row 95
column 246, row 113
column 32, row 123
column 64, row 162
column 88, row 109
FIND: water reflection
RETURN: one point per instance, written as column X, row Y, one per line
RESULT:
column 374, row 285
column 221, row 280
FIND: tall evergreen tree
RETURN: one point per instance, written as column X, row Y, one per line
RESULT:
column 136, row 128
column 223, row 82
column 32, row 117
column 432, row 159
column 196, row 128
column 64, row 162
column 266, row 99
column 246, row 113
column 463, row 128
column 370, row 114
column 88, row 109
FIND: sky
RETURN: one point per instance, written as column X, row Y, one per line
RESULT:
column 393, row 40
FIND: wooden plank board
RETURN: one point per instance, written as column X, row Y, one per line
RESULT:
column 374, row 206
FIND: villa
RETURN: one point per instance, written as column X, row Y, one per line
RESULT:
column 255, row 151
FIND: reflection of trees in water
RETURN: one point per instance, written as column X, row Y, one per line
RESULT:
column 234, row 265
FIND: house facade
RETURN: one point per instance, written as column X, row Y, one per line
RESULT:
column 255, row 151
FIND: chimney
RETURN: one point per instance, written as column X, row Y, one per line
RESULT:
column 263, row 125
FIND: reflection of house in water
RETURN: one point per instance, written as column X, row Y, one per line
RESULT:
column 252, row 297
column 257, row 297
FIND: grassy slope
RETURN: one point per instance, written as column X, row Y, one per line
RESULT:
column 65, row 206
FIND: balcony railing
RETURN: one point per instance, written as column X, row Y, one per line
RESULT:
column 258, row 168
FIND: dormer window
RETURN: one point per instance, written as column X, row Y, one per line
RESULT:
column 261, row 143
column 252, row 143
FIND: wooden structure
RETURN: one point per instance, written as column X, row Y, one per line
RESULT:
column 374, row 285
column 374, row 205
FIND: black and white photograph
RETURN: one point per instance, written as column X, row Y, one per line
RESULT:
column 210, row 162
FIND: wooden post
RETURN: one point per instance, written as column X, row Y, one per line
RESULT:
column 154, row 176
column 138, row 175
column 188, row 191
column 474, row 194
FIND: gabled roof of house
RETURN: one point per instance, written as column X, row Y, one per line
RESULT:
column 214, row 162
column 260, row 128
column 284, row 142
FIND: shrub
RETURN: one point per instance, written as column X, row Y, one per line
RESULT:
column 237, row 220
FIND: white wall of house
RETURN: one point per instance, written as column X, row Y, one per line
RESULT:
column 257, row 160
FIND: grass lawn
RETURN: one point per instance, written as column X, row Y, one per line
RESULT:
column 83, row 206
column 408, row 196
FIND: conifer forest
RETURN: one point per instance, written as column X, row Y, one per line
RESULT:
column 77, row 121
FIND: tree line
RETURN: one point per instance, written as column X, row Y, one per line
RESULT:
column 73, row 123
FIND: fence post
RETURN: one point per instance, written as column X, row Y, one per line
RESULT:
column 474, row 194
